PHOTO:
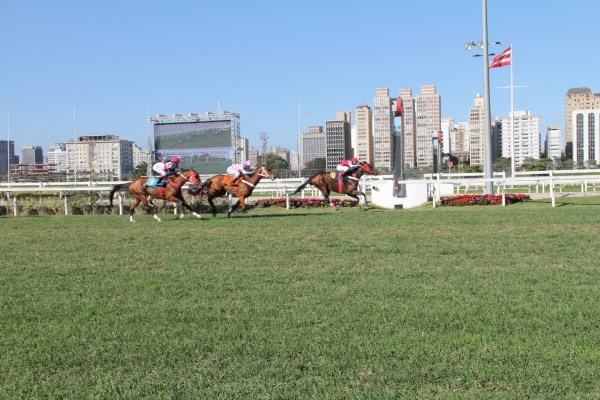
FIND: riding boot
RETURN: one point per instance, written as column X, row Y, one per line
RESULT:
column 160, row 180
column 233, row 181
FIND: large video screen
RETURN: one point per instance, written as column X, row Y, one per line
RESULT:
column 204, row 146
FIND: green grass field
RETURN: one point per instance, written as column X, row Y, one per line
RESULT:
column 481, row 302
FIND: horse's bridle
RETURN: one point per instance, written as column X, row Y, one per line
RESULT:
column 264, row 175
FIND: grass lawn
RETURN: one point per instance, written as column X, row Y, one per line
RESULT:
column 478, row 302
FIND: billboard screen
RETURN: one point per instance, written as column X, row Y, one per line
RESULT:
column 205, row 146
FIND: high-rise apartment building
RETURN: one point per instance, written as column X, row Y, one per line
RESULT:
column 526, row 135
column 100, row 155
column 585, row 126
column 476, row 131
column 428, row 123
column 337, row 134
column 313, row 144
column 7, row 155
column 409, row 128
column 383, row 130
column 57, row 158
column 447, row 126
column 553, row 143
column 577, row 99
column 32, row 155
column 363, row 140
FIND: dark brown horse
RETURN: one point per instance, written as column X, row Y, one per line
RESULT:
column 217, row 186
column 172, row 192
column 327, row 184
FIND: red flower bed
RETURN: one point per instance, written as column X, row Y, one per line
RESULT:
column 305, row 203
column 483, row 199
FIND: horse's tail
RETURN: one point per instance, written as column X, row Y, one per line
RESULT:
column 307, row 182
column 117, row 188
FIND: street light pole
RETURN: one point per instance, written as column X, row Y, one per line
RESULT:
column 487, row 143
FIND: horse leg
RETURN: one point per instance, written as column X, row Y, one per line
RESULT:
column 181, row 201
column 212, row 206
column 329, row 200
column 149, row 209
column 232, row 209
column 132, row 208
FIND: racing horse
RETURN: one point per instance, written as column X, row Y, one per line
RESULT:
column 218, row 185
column 326, row 183
column 172, row 192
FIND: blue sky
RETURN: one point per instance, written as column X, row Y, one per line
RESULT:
column 115, row 61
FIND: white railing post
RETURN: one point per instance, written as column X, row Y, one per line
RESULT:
column 552, row 191
column 120, row 203
column 15, row 207
column 66, row 205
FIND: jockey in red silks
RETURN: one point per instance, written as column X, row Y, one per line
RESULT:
column 346, row 167
column 240, row 168
column 165, row 168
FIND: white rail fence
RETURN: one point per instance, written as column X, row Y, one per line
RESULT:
column 546, row 183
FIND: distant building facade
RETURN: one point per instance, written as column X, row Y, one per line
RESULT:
column 383, row 130
column 32, row 155
column 363, row 140
column 553, row 143
column 57, row 158
column 585, row 125
column 409, row 128
column 7, row 155
column 100, row 155
column 337, row 133
column 577, row 99
column 526, row 134
column 313, row 144
column 428, row 123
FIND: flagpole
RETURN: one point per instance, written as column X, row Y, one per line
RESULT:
column 512, row 115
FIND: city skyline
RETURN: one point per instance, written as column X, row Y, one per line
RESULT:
column 70, row 73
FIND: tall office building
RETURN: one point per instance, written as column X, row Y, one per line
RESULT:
column 32, row 155
column 100, row 155
column 476, row 131
column 428, row 123
column 57, row 158
column 577, row 99
column 526, row 136
column 409, row 128
column 243, row 147
column 585, row 126
column 337, row 134
column 313, row 144
column 447, row 126
column 139, row 155
column 7, row 155
column 363, row 140
column 553, row 143
column 253, row 156
column 383, row 130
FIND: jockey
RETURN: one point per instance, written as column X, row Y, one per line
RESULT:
column 346, row 167
column 240, row 168
column 165, row 168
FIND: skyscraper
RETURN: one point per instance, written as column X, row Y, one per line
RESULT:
column 364, row 133
column 476, row 131
column 577, row 99
column 409, row 128
column 337, row 134
column 428, row 116
column 383, row 130
column 7, row 155
column 57, row 158
column 586, row 137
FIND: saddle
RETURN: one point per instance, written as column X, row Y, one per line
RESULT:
column 228, row 179
column 153, row 182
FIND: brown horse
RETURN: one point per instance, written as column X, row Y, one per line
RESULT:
column 216, row 186
column 327, row 184
column 172, row 192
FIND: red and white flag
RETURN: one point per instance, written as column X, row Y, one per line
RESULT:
column 502, row 59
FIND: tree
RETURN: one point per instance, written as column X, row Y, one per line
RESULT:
column 316, row 163
column 274, row 162
column 472, row 168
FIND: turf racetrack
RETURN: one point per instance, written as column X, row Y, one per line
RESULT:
column 479, row 302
